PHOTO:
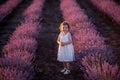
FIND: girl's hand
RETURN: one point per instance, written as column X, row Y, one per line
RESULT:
column 62, row 43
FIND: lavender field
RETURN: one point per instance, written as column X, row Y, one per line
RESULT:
column 29, row 30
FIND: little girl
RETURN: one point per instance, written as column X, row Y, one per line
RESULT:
column 65, row 50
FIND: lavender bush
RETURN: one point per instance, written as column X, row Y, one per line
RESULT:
column 8, row 7
column 22, row 45
column 33, row 13
column 19, row 52
column 17, row 65
column 14, row 74
column 86, row 39
column 26, row 30
column 109, row 7
column 96, row 68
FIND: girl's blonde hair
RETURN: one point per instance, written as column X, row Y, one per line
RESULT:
column 64, row 23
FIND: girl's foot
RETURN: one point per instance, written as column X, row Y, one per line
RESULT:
column 67, row 71
column 63, row 70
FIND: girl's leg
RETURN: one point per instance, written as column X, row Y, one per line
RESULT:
column 68, row 65
column 68, row 68
column 65, row 67
column 64, row 64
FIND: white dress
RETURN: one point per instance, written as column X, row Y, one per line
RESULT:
column 65, row 53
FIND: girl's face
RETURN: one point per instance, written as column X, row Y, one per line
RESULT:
column 64, row 28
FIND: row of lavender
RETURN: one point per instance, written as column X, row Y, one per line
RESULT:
column 20, row 50
column 93, row 56
column 8, row 7
column 109, row 7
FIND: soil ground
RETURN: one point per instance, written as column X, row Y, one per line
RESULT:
column 46, row 65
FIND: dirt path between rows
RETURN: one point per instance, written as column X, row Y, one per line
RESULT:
column 46, row 65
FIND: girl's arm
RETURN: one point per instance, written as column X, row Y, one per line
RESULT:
column 59, row 42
